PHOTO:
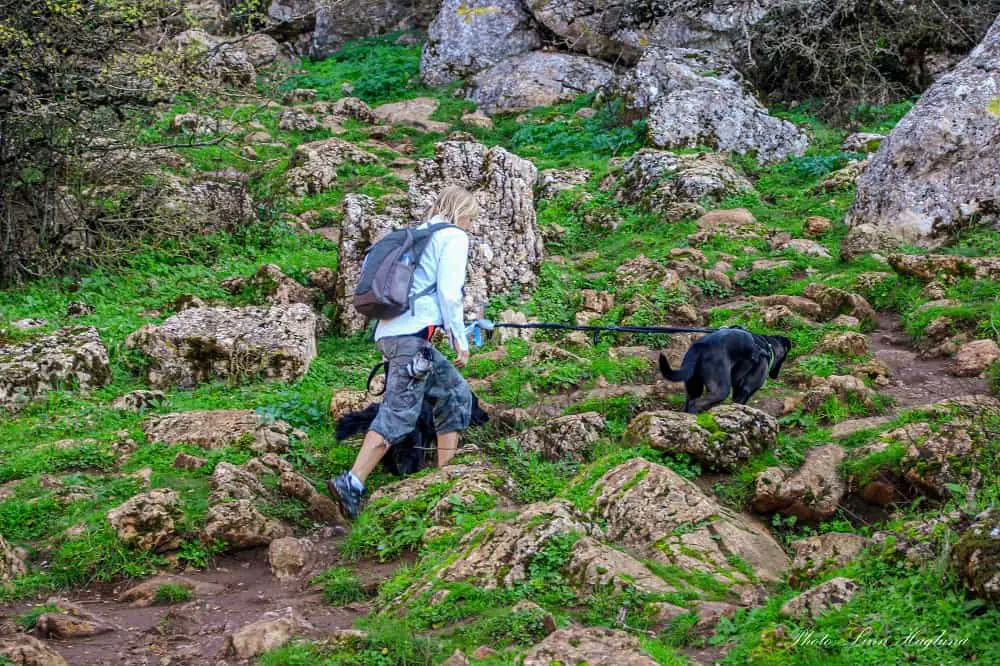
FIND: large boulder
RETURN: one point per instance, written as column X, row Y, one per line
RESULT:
column 208, row 202
column 70, row 357
column 215, row 58
column 270, row 632
column 469, row 36
column 653, row 510
column 149, row 521
column 11, row 564
column 216, row 429
column 365, row 222
column 338, row 22
column 314, row 165
column 811, row 493
column 663, row 181
column 506, row 247
column 539, row 78
column 204, row 344
column 594, row 646
column 977, row 556
column 621, row 31
column 940, row 167
column 564, row 438
column 946, row 267
column 695, row 98
column 722, row 438
column 976, row 357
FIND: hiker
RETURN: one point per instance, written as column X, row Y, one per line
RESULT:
column 415, row 367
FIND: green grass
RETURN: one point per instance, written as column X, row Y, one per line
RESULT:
column 171, row 594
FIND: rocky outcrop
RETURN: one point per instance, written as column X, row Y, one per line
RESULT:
column 595, row 646
column 415, row 112
column 975, row 358
column 219, row 428
column 695, row 98
column 269, row 633
column 70, row 357
column 215, row 58
column 811, row 493
column 147, row 521
column 313, row 168
column 209, row 202
column 337, row 23
column 813, row 603
column 940, row 167
column 946, row 267
column 469, row 36
column 322, row 509
column 564, row 438
column 365, row 222
column 620, row 32
column 722, row 438
column 669, row 183
column 539, row 78
column 69, row 621
column 594, row 566
column 204, row 344
column 833, row 302
column 651, row 509
column 24, row 650
column 233, row 482
column 553, row 181
column 239, row 525
column 11, row 564
column 506, row 245
column 139, row 401
column 976, row 556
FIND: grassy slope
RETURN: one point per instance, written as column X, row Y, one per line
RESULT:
column 897, row 599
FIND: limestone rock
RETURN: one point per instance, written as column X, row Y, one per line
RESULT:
column 553, row 181
column 564, row 438
column 279, row 289
column 24, row 650
column 975, row 358
column 71, row 621
column 841, row 179
column 594, row 566
column 239, row 525
column 139, row 401
column 204, row 344
column 209, row 202
column 288, row 557
column 195, row 123
column 72, row 356
column 477, row 119
column 651, row 509
column 11, row 564
column 314, row 165
column 637, row 270
column 269, row 633
column 261, row 49
column 468, row 482
column 506, row 246
column 813, row 603
column 862, row 142
column 144, row 594
column 469, row 36
column 215, row 429
column 976, row 556
column 233, row 482
column 347, row 401
column 946, row 267
column 845, row 344
column 322, row 509
column 539, row 78
column 816, row 225
column 811, row 493
column 940, row 165
column 297, row 120
column 594, row 646
column 831, row 550
column 866, row 238
column 727, row 436
column 935, row 459
column 146, row 521
column 833, row 302
column 215, row 58
column 336, row 23
column 687, row 107
column 415, row 112
column 661, row 180
column 498, row 555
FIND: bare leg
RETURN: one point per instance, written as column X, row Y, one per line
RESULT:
column 447, row 444
column 371, row 453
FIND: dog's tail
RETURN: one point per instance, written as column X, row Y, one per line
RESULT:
column 682, row 375
column 356, row 423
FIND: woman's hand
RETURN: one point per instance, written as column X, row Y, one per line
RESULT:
column 462, row 357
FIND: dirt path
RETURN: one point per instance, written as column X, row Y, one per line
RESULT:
column 916, row 381
column 194, row 633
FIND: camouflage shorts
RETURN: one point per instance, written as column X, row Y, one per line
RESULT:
column 405, row 393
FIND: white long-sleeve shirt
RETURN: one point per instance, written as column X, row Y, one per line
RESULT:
column 444, row 263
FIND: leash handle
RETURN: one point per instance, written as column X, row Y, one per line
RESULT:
column 383, row 367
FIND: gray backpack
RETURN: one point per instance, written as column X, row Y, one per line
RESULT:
column 387, row 273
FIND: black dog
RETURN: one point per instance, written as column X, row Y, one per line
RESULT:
column 730, row 358
column 407, row 456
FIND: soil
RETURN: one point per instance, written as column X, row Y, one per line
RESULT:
column 194, row 633
column 917, row 381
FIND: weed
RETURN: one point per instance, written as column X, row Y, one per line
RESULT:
column 171, row 594
column 340, row 586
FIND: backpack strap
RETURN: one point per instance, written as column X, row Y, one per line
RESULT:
column 430, row 231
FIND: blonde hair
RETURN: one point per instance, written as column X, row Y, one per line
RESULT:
column 453, row 204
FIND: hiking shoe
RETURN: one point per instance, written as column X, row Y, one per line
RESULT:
column 342, row 490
